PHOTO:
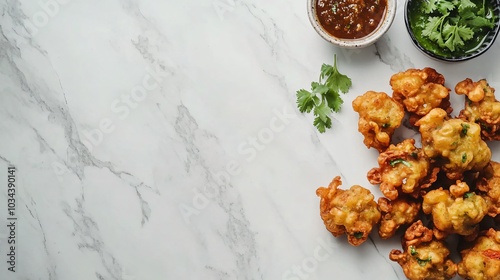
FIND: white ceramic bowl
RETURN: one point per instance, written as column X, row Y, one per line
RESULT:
column 366, row 41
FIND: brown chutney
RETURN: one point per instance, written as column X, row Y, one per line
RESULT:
column 350, row 19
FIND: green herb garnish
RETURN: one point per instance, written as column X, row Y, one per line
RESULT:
column 453, row 22
column 413, row 252
column 464, row 157
column 465, row 128
column 324, row 97
column 469, row 194
column 358, row 235
column 334, row 8
column 399, row 160
column 423, row 262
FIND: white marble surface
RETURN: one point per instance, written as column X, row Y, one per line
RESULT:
column 161, row 140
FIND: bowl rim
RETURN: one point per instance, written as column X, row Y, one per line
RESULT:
column 435, row 56
column 383, row 27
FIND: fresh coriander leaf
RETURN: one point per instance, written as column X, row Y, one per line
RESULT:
column 334, row 101
column 467, row 14
column 305, row 101
column 478, row 22
column 465, row 32
column 337, row 81
column 445, row 6
column 464, row 4
column 429, row 6
column 326, row 71
column 433, row 29
column 318, row 88
column 451, row 23
column 322, row 125
column 482, row 12
column 324, row 97
column 464, row 157
column 322, row 111
column 456, row 35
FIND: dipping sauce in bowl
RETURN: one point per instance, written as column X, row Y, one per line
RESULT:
column 350, row 19
column 351, row 23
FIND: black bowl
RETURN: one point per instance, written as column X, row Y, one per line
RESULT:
column 442, row 54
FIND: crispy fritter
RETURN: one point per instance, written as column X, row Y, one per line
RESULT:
column 403, row 168
column 489, row 185
column 352, row 211
column 409, row 82
column 456, row 210
column 458, row 143
column 423, row 257
column 379, row 116
column 482, row 261
column 420, row 91
column 395, row 213
column 481, row 107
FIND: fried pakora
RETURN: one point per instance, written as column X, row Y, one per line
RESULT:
column 423, row 257
column 489, row 186
column 482, row 261
column 395, row 213
column 457, row 142
column 456, row 210
column 420, row 91
column 379, row 116
column 481, row 107
column 403, row 168
column 450, row 182
column 353, row 211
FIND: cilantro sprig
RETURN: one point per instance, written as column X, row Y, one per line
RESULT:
column 324, row 96
column 451, row 23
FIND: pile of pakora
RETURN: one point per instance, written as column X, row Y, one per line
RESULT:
column 444, row 188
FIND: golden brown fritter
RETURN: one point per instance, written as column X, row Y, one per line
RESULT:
column 379, row 116
column 458, row 143
column 456, row 210
column 489, row 185
column 420, row 91
column 409, row 82
column 395, row 213
column 482, row 261
column 352, row 211
column 481, row 107
column 423, row 257
column 403, row 168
